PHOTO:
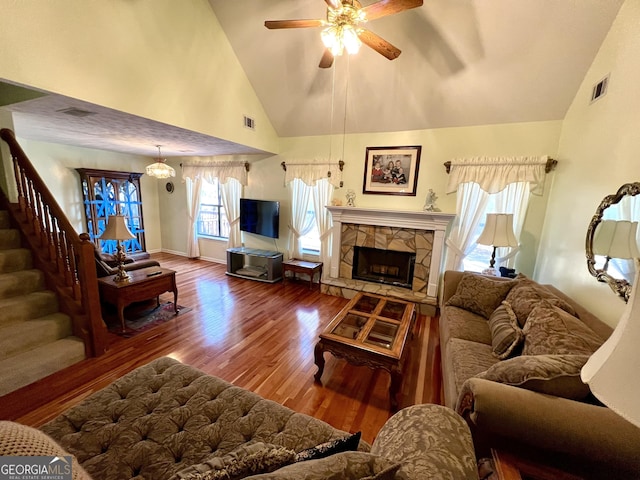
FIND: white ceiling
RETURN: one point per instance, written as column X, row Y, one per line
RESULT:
column 463, row 62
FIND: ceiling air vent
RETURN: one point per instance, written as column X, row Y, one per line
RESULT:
column 76, row 112
column 249, row 123
column 599, row 89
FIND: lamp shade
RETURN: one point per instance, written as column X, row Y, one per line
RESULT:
column 616, row 239
column 498, row 231
column 117, row 229
column 160, row 169
column 611, row 372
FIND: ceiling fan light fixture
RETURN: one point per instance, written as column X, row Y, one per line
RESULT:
column 160, row 169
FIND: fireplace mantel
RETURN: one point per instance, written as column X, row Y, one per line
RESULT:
column 416, row 220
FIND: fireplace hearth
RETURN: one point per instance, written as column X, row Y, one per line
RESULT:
column 390, row 267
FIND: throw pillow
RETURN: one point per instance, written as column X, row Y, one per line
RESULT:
column 348, row 443
column 506, row 335
column 247, row 459
column 480, row 294
column 341, row 466
column 526, row 294
column 557, row 375
column 552, row 331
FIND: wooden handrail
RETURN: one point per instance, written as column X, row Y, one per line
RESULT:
column 66, row 258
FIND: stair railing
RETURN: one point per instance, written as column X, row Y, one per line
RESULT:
column 66, row 258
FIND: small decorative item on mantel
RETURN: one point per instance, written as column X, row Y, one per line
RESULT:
column 430, row 202
column 351, row 198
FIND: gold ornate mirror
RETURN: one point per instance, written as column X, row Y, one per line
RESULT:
column 612, row 239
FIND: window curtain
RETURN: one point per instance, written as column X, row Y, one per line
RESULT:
column 300, row 194
column 322, row 193
column 232, row 176
column 231, row 191
column 475, row 179
column 194, row 188
column 513, row 199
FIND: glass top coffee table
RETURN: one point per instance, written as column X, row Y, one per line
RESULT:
column 371, row 330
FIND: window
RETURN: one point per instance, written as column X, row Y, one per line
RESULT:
column 311, row 241
column 212, row 220
column 479, row 258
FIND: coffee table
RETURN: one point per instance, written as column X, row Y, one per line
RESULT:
column 371, row 330
column 143, row 284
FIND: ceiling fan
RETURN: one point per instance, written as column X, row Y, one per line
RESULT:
column 343, row 27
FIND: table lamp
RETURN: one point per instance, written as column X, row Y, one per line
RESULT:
column 616, row 239
column 498, row 232
column 117, row 230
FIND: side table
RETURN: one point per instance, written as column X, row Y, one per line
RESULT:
column 302, row 266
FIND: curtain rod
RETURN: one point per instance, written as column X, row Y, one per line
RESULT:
column 340, row 164
column 549, row 166
column 246, row 165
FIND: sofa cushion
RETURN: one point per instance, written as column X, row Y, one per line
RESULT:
column 22, row 441
column 249, row 459
column 526, row 294
column 506, row 335
column 480, row 294
column 345, row 465
column 552, row 331
column 467, row 359
column 457, row 322
column 557, row 375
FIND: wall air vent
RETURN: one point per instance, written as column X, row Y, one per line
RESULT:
column 249, row 123
column 599, row 89
column 76, row 112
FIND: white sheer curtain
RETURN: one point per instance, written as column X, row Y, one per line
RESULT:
column 470, row 210
column 194, row 187
column 475, row 179
column 300, row 225
column 231, row 191
column 322, row 193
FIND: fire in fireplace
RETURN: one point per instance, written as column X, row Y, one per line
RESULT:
column 383, row 266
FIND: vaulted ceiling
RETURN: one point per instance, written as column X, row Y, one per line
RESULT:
column 463, row 62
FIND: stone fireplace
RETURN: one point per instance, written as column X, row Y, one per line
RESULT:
column 418, row 234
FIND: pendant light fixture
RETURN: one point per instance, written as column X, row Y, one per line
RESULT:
column 160, row 169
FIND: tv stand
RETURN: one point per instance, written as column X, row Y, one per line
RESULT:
column 254, row 264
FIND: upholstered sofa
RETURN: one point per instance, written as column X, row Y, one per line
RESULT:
column 106, row 264
column 512, row 351
column 167, row 420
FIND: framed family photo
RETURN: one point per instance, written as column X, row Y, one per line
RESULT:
column 391, row 170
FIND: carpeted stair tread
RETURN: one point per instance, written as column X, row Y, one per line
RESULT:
column 27, row 307
column 30, row 334
column 9, row 238
column 32, row 365
column 15, row 259
column 21, row 283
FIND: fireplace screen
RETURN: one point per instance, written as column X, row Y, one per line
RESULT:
column 383, row 266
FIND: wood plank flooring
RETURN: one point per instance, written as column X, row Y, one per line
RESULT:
column 258, row 336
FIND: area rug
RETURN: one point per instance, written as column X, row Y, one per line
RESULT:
column 141, row 317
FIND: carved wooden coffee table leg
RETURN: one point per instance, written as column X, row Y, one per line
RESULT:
column 394, row 388
column 318, row 353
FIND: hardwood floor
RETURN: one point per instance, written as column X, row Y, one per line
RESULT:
column 258, row 336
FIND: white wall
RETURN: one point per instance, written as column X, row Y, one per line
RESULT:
column 599, row 151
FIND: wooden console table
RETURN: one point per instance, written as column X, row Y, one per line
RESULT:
column 302, row 266
column 144, row 284
column 370, row 330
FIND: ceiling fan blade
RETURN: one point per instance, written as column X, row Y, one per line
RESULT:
column 389, row 7
column 273, row 24
column 379, row 44
column 335, row 4
column 327, row 59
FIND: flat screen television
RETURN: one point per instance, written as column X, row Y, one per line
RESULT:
column 261, row 217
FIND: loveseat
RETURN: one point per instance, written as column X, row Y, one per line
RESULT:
column 107, row 264
column 167, row 420
column 512, row 351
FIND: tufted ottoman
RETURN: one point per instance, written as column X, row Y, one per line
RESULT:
column 165, row 416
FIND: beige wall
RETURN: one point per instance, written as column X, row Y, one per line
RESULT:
column 139, row 57
column 56, row 165
column 599, row 151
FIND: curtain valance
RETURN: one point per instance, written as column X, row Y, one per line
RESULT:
column 310, row 173
column 493, row 174
column 212, row 168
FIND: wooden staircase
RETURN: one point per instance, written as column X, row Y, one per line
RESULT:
column 36, row 340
